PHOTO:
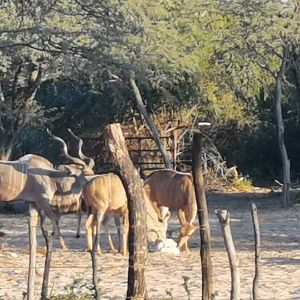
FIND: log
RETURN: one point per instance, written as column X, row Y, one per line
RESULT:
column 205, row 245
column 255, row 291
column 138, row 250
column 153, row 130
column 224, row 218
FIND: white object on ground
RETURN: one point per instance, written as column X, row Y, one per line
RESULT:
column 164, row 246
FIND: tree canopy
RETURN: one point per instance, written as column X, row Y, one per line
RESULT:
column 193, row 60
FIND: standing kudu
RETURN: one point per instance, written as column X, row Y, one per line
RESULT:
column 72, row 203
column 66, row 197
column 31, row 178
column 104, row 194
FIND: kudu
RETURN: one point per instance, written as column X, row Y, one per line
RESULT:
column 104, row 194
column 72, row 203
column 175, row 190
column 66, row 197
column 31, row 178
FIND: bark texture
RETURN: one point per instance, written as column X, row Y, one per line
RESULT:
column 146, row 116
column 280, row 125
column 224, row 218
column 205, row 245
column 118, row 154
column 255, row 290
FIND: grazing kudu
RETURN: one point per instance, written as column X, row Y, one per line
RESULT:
column 104, row 194
column 175, row 190
column 31, row 178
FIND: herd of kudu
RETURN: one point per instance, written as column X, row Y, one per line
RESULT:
column 53, row 191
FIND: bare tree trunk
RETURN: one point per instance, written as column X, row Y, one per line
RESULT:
column 143, row 112
column 119, row 155
column 33, row 219
column 224, row 218
column 257, row 251
column 285, row 160
column 205, row 248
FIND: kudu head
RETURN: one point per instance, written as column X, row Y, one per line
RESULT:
column 79, row 163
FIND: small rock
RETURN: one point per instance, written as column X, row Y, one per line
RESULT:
column 13, row 254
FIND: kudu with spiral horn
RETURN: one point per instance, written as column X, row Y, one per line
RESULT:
column 66, row 198
column 61, row 202
column 31, row 178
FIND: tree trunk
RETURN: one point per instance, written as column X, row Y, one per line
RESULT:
column 224, row 218
column 256, row 230
column 116, row 146
column 143, row 112
column 285, row 160
column 205, row 248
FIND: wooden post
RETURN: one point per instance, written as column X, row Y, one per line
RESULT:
column 33, row 219
column 49, row 243
column 224, row 218
column 143, row 112
column 205, row 248
column 174, row 148
column 257, row 251
column 115, row 145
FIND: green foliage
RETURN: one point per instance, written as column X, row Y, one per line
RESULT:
column 194, row 60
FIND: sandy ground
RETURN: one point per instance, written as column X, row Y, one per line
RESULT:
column 167, row 273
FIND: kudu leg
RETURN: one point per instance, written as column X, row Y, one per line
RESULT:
column 111, row 244
column 78, row 224
column 182, row 242
column 125, row 233
column 49, row 243
column 94, row 256
column 88, row 230
column 33, row 219
column 61, row 239
column 118, row 225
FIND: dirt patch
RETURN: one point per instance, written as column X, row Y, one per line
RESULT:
column 166, row 273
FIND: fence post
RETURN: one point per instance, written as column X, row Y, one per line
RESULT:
column 174, row 148
column 257, row 251
column 118, row 154
column 224, row 218
column 205, row 248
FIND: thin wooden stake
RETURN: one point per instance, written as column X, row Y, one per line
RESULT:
column 256, row 230
column 224, row 218
column 205, row 248
column 49, row 243
column 33, row 219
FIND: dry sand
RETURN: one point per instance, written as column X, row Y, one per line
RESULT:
column 166, row 273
